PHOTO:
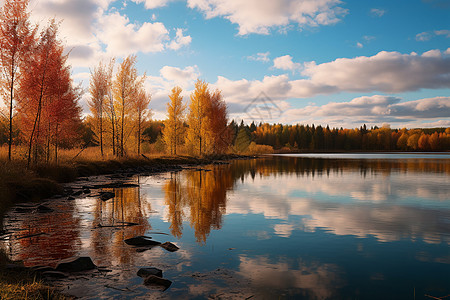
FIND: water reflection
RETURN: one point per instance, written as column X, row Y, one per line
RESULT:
column 52, row 237
column 204, row 193
column 388, row 199
column 311, row 280
column 110, row 220
column 283, row 226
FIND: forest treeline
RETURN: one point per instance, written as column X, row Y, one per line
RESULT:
column 42, row 113
column 306, row 137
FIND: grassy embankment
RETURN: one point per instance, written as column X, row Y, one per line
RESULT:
column 21, row 184
column 22, row 284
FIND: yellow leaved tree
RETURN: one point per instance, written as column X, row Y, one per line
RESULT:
column 174, row 130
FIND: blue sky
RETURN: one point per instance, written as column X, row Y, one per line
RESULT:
column 329, row 62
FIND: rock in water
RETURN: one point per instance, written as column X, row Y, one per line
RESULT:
column 145, row 272
column 141, row 241
column 107, row 195
column 153, row 280
column 169, row 246
column 75, row 264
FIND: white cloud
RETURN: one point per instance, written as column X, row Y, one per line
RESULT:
column 151, row 4
column 359, row 45
column 285, row 63
column 179, row 40
column 88, row 27
column 260, row 16
column 123, row 38
column 78, row 17
column 427, row 35
column 377, row 12
column 374, row 110
column 261, row 56
column 385, row 71
column 388, row 72
column 161, row 86
column 182, row 77
column 442, row 32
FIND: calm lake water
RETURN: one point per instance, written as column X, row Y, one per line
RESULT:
column 353, row 226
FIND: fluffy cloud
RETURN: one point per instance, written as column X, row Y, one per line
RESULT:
column 78, row 17
column 389, row 72
column 259, row 16
column 262, row 56
column 151, row 4
column 183, row 77
column 123, row 38
column 285, row 63
column 90, row 26
column 386, row 71
column 374, row 110
column 180, row 40
column 161, row 86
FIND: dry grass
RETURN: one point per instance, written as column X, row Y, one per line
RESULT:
column 22, row 284
column 27, row 290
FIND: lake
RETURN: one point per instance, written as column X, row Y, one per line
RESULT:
column 342, row 226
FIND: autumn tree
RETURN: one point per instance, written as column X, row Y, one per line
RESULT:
column 47, row 100
column 218, row 118
column 124, row 91
column 198, row 137
column 16, row 40
column 174, row 129
column 64, row 117
column 141, row 112
column 110, row 111
column 98, row 89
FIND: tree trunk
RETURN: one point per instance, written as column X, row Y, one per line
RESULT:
column 11, row 113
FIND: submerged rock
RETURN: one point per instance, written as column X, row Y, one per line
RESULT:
column 169, row 246
column 141, row 241
column 153, row 280
column 145, row 272
column 75, row 264
column 104, row 196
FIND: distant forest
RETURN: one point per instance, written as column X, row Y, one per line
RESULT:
column 317, row 138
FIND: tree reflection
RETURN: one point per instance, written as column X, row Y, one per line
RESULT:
column 111, row 220
column 52, row 237
column 204, row 193
column 200, row 197
column 175, row 203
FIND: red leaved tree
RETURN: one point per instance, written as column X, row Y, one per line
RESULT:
column 16, row 40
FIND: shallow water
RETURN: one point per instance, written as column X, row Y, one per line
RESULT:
column 278, row 227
